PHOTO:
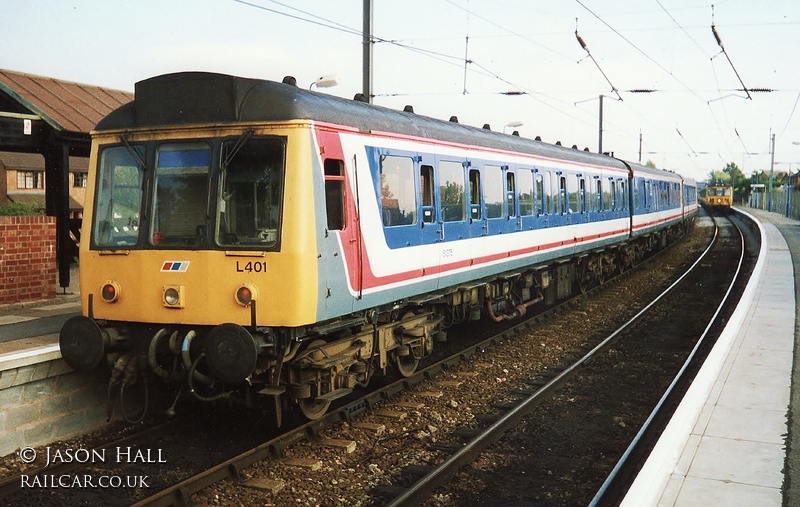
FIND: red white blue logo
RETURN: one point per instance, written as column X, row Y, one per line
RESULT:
column 175, row 266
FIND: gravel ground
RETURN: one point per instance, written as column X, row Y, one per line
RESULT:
column 421, row 420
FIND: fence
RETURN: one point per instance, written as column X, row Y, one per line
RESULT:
column 760, row 200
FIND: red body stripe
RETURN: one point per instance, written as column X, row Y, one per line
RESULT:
column 360, row 272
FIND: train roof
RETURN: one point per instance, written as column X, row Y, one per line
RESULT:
column 661, row 173
column 188, row 98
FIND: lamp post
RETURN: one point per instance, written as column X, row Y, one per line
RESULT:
column 771, row 168
column 789, row 194
column 326, row 81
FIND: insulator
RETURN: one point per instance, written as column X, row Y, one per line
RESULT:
column 716, row 36
column 580, row 41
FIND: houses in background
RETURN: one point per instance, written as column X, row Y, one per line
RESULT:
column 22, row 180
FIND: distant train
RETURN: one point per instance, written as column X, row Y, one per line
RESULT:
column 719, row 197
column 248, row 237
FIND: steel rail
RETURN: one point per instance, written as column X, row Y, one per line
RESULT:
column 637, row 440
column 179, row 493
column 423, row 487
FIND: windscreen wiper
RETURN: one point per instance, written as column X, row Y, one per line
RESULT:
column 236, row 148
column 134, row 153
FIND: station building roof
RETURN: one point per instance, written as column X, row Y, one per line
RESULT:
column 63, row 105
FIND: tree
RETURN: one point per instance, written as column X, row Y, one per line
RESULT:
column 733, row 176
column 737, row 177
column 718, row 178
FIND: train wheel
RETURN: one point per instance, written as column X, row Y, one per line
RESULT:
column 406, row 364
column 312, row 408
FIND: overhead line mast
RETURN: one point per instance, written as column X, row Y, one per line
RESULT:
column 366, row 69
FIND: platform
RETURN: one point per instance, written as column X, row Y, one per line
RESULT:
column 727, row 444
column 41, row 398
column 32, row 326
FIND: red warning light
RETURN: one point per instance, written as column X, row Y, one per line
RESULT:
column 109, row 293
column 244, row 296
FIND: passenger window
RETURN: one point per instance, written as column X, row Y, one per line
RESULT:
column 475, row 194
column 493, row 191
column 511, row 195
column 334, row 193
column 582, row 195
column 451, row 191
column 526, row 192
column 398, row 192
column 572, row 190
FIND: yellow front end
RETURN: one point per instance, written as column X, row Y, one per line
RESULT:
column 199, row 286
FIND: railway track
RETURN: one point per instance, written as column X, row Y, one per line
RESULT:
column 392, row 413
column 647, row 333
column 619, row 479
column 422, row 433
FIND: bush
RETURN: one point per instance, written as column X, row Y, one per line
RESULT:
column 21, row 208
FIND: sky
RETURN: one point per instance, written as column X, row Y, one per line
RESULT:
column 658, row 65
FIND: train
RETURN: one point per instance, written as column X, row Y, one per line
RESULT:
column 247, row 240
column 719, row 197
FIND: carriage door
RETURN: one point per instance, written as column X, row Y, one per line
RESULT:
column 429, row 223
column 611, row 198
column 583, row 199
column 494, row 196
column 453, row 200
column 340, row 222
column 477, row 227
column 623, row 201
column 558, row 195
column 542, row 198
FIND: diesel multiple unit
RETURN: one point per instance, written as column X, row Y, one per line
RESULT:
column 245, row 237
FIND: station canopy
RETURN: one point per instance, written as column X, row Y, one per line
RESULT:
column 53, row 118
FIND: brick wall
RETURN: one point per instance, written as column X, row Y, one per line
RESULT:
column 27, row 258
